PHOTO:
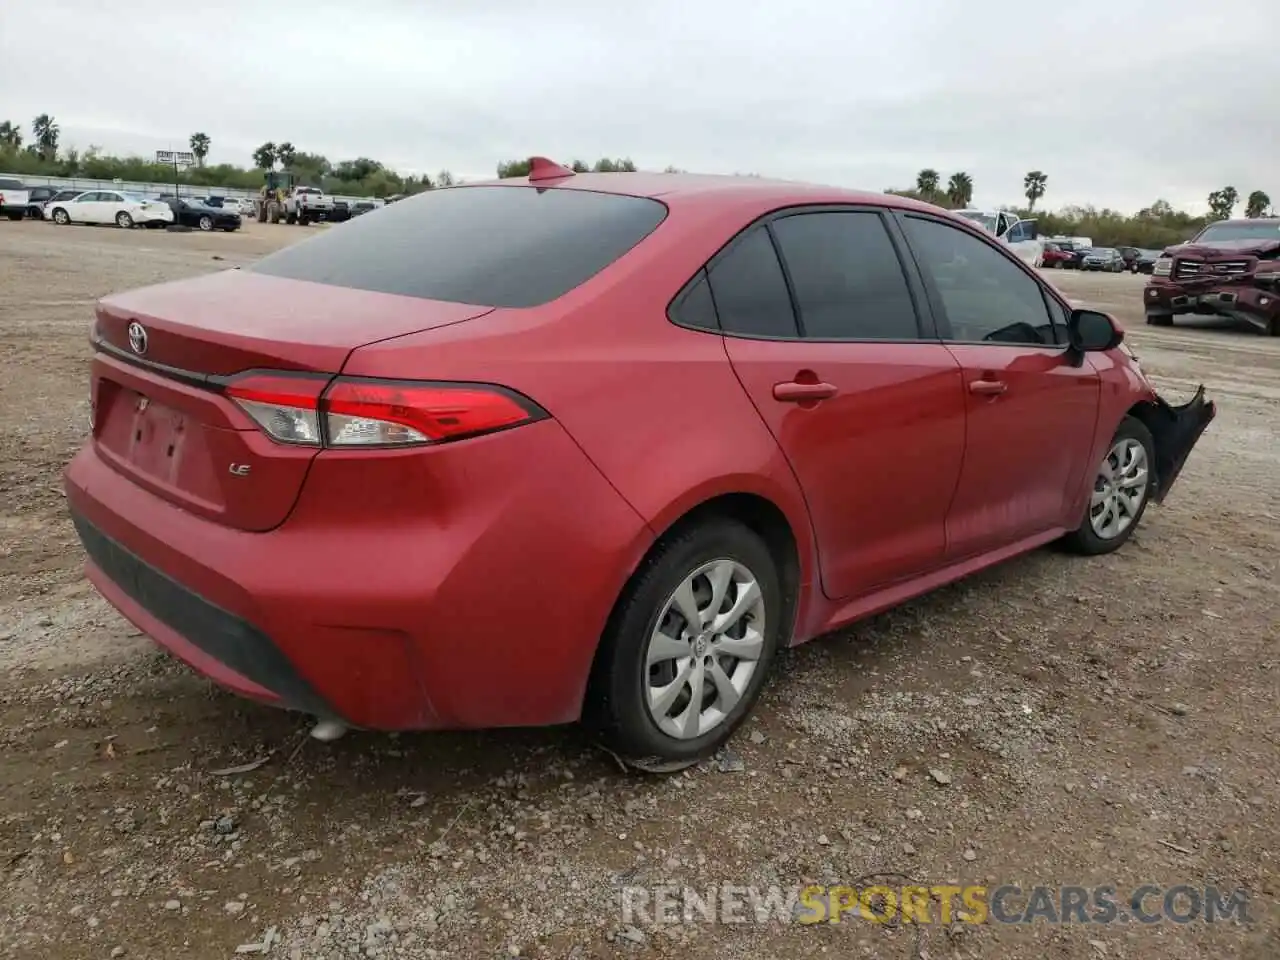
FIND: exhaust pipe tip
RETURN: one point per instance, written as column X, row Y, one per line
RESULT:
column 326, row 731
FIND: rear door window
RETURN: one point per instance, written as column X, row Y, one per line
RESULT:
column 750, row 290
column 847, row 277
column 499, row 246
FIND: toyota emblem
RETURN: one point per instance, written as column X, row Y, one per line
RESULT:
column 138, row 338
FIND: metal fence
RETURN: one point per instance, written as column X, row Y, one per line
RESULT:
column 136, row 186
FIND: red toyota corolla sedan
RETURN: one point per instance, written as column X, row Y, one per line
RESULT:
column 594, row 447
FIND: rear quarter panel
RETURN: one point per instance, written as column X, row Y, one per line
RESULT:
column 656, row 407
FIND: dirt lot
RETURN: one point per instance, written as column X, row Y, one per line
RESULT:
column 1053, row 721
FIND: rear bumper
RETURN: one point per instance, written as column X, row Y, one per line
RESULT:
column 483, row 610
column 1246, row 302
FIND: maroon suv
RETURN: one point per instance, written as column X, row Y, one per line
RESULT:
column 1230, row 269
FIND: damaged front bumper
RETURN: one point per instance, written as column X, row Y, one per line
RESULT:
column 1248, row 299
column 1176, row 430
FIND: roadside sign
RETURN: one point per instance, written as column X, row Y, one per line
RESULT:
column 175, row 156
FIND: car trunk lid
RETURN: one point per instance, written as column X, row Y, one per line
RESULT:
column 160, row 415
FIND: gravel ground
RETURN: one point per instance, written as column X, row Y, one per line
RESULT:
column 1052, row 721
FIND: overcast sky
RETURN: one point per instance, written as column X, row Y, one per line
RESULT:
column 1118, row 102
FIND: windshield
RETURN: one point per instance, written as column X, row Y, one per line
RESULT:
column 984, row 220
column 1101, row 251
column 1257, row 230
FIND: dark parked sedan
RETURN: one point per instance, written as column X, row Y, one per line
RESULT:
column 193, row 213
column 1103, row 258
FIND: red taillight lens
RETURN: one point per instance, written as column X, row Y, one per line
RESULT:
column 381, row 413
column 356, row 412
column 285, row 407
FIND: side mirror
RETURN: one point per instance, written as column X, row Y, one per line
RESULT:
column 1092, row 331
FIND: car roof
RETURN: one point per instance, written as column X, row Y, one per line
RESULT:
column 677, row 188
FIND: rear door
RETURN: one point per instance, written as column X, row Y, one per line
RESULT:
column 1032, row 405
column 822, row 327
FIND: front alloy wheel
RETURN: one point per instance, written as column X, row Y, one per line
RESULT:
column 1120, row 489
column 1122, row 486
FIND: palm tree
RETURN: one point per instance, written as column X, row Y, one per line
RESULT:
column 1033, row 185
column 200, row 147
column 285, row 154
column 45, row 131
column 927, row 181
column 265, row 156
column 10, row 135
column 960, row 189
column 1256, row 206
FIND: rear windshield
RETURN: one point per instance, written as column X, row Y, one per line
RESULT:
column 498, row 246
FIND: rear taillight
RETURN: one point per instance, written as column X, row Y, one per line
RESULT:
column 358, row 412
column 286, row 407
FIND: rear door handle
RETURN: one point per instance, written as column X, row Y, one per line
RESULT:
column 987, row 388
column 795, row 392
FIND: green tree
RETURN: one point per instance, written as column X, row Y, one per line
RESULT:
column 444, row 179
column 513, row 168
column 45, row 131
column 605, row 165
column 927, row 182
column 199, row 144
column 1257, row 204
column 1222, row 202
column 579, row 166
column 10, row 135
column 265, row 156
column 285, row 154
column 1033, row 185
column 960, row 189
column 674, row 169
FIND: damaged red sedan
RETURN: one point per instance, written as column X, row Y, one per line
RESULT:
column 594, row 447
column 1231, row 269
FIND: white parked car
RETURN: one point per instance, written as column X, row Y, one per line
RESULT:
column 109, row 206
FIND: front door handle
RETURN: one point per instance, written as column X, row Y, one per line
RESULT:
column 795, row 392
column 987, row 388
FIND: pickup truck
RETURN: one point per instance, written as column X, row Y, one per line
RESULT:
column 13, row 199
column 1230, row 269
column 306, row 205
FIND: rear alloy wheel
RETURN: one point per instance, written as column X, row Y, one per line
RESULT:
column 205, row 223
column 124, row 221
column 688, row 647
column 1122, row 487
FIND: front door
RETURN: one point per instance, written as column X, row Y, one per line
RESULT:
column 84, row 209
column 1032, row 405
column 821, row 326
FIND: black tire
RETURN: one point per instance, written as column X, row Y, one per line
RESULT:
column 205, row 223
column 124, row 221
column 1085, row 539
column 1160, row 319
column 14, row 215
column 616, row 708
column 61, row 217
